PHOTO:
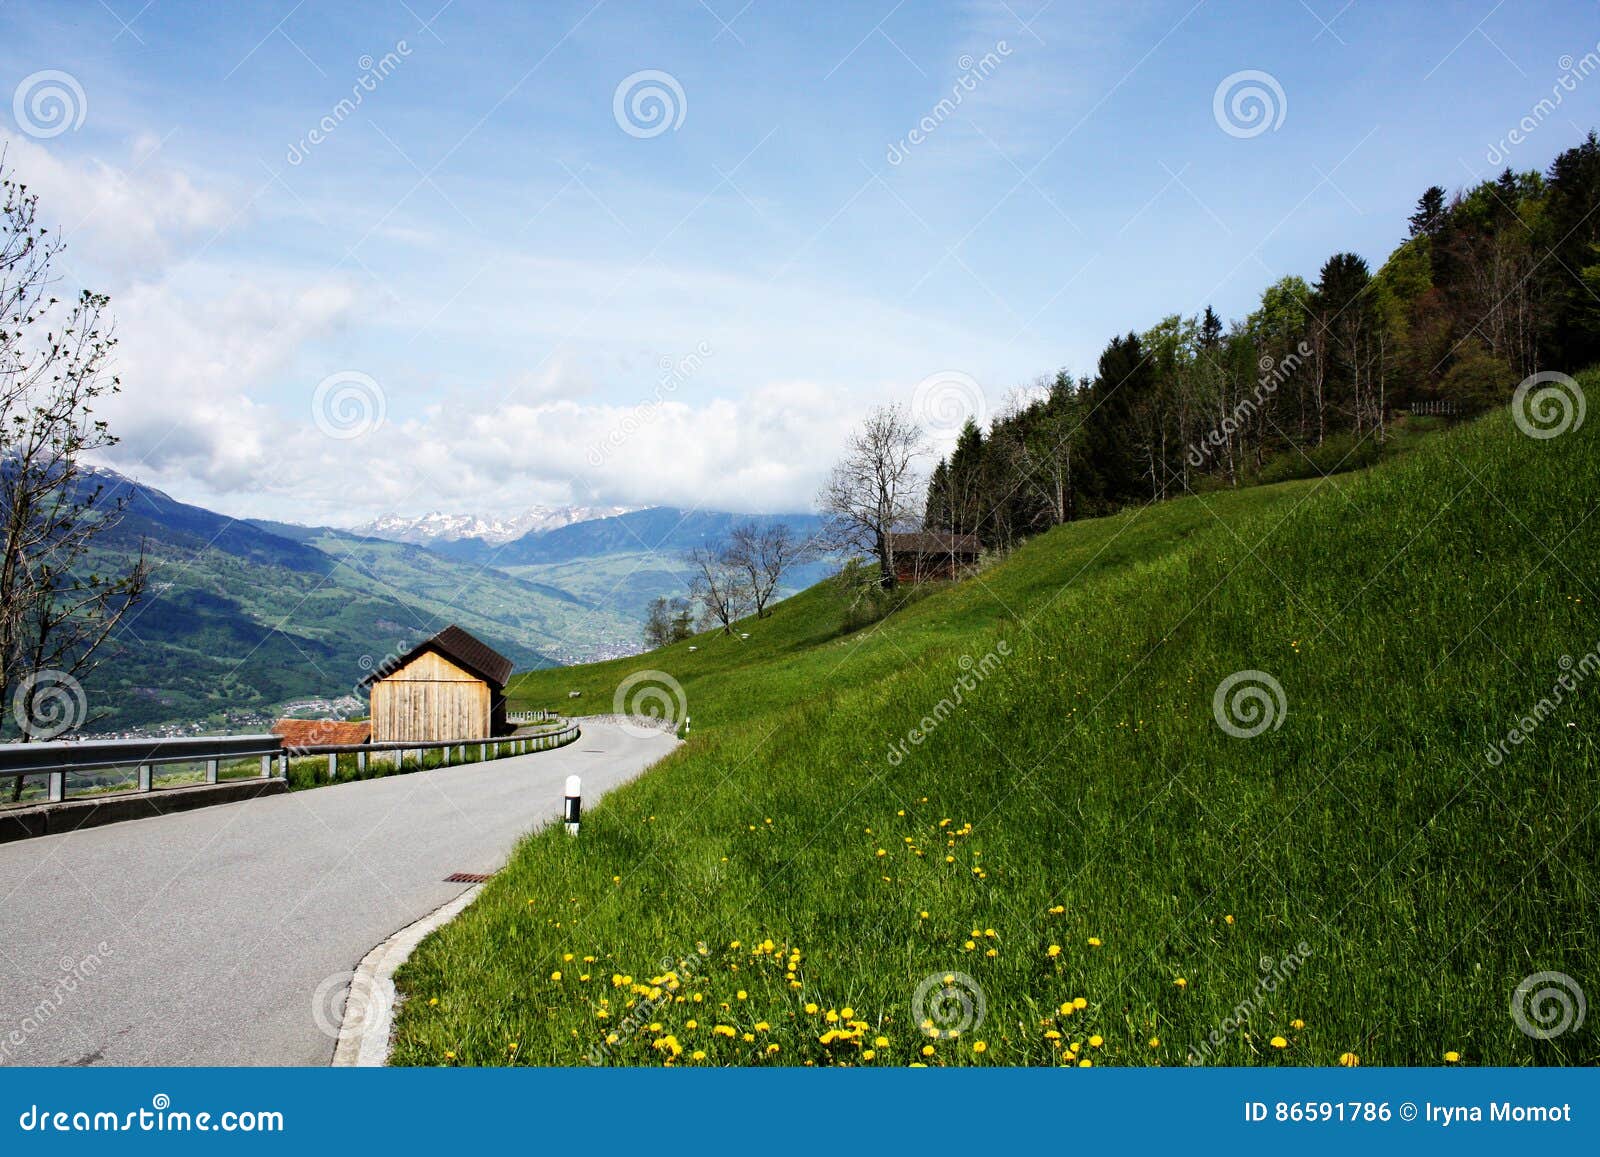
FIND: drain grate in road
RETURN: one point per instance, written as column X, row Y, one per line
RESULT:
column 467, row 877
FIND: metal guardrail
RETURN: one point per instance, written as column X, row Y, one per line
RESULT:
column 487, row 749
column 58, row 759
column 543, row 715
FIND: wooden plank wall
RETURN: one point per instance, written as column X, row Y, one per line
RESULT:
column 429, row 699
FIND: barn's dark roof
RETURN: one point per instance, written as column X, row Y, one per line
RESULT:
column 931, row 543
column 460, row 648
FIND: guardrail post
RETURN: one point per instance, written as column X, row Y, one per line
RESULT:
column 144, row 777
column 333, row 765
column 58, row 787
column 211, row 771
column 444, row 756
column 573, row 805
column 361, row 762
column 283, row 764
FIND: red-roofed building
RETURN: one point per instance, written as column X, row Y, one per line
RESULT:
column 321, row 732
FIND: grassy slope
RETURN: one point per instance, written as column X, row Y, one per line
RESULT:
column 1412, row 615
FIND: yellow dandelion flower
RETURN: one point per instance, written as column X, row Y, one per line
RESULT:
column 1086, row 1063
column 1155, row 1042
column 1297, row 1024
column 881, row 1042
column 1053, row 950
column 698, row 1054
column 970, row 945
column 979, row 1046
column 1181, row 982
column 927, row 1050
column 847, row 1012
column 1349, row 1060
column 556, row 975
column 1279, row 1043
column 1079, row 1002
column 1227, row 919
column 1452, row 1057
column 772, row 1050
column 866, row 1054
column 1094, row 942
column 811, row 1009
column 1096, row 1041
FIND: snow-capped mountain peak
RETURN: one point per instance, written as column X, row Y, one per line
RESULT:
column 438, row 526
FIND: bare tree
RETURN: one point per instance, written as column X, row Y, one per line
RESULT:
column 56, row 609
column 719, row 587
column 873, row 491
column 762, row 555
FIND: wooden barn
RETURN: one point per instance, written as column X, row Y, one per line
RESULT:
column 451, row 686
column 927, row 556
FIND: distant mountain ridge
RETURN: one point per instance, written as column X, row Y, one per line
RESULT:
column 664, row 530
column 438, row 526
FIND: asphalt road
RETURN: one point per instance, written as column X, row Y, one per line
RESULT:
column 202, row 938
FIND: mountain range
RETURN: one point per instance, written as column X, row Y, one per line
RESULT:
column 244, row 617
column 438, row 526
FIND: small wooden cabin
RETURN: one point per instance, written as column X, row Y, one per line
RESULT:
column 927, row 556
column 449, row 687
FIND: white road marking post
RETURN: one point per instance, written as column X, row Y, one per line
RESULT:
column 574, row 804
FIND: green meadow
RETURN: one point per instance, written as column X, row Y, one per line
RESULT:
column 1011, row 823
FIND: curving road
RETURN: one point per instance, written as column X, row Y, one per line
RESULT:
column 201, row 938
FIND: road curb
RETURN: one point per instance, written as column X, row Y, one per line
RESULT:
column 369, row 1007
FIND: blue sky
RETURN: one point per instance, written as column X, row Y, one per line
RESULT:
column 486, row 256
